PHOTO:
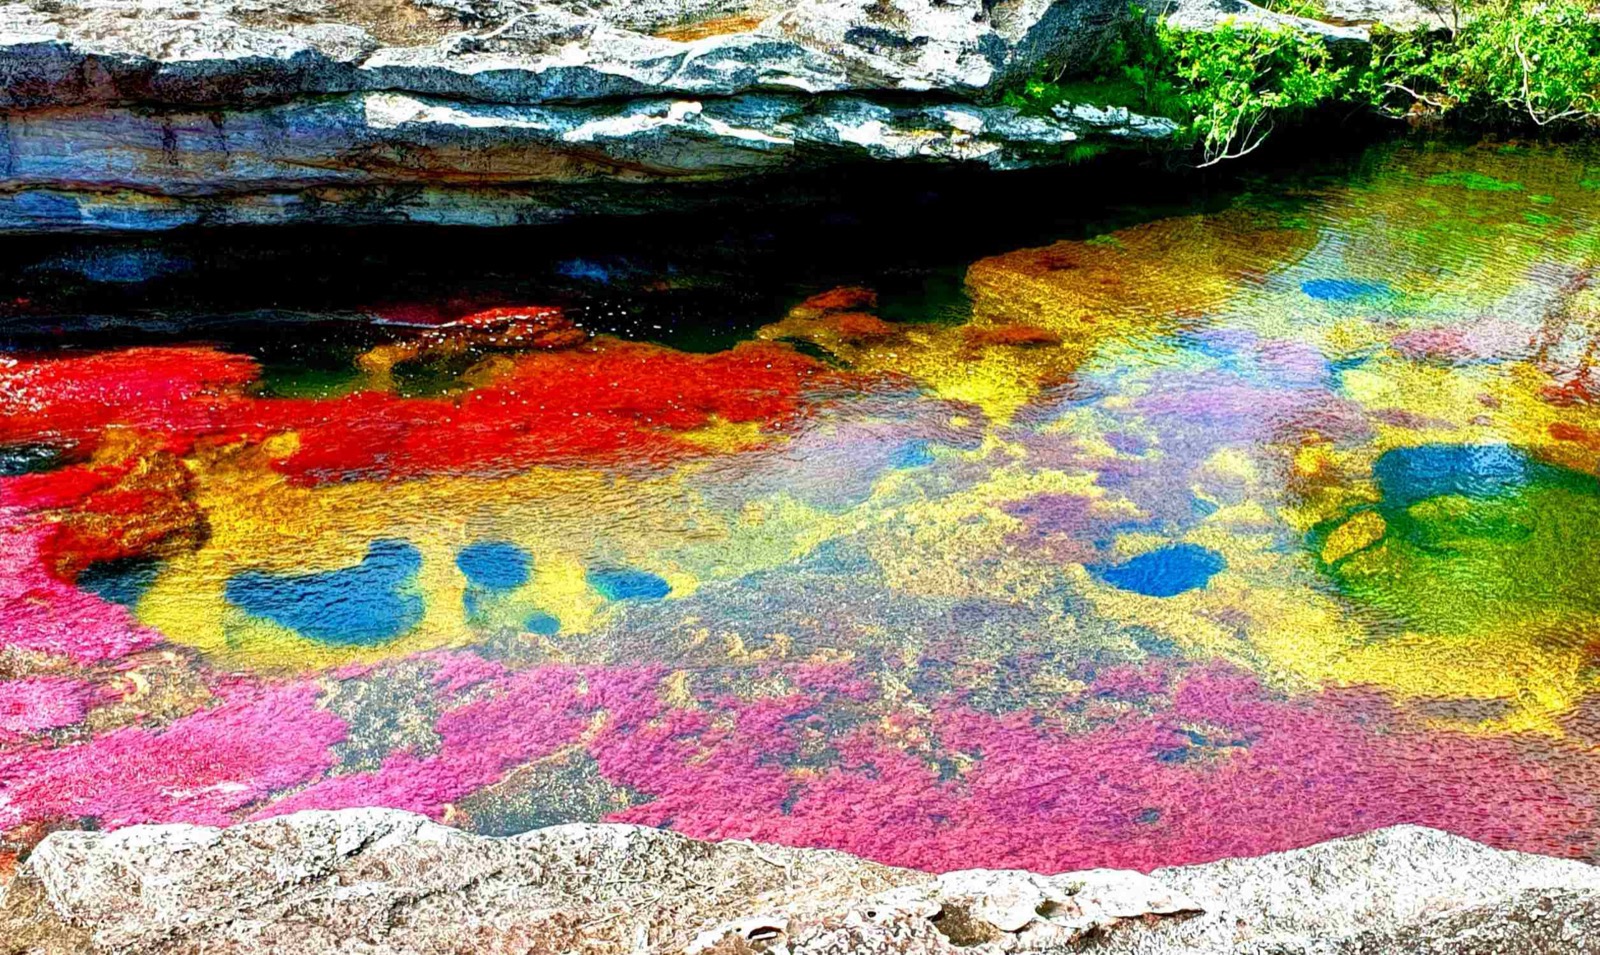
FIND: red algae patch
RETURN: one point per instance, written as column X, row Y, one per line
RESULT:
column 608, row 401
column 201, row 769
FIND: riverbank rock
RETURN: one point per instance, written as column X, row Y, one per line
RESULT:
column 383, row 881
column 120, row 115
column 148, row 114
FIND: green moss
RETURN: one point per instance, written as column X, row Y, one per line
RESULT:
column 1476, row 181
column 1502, row 551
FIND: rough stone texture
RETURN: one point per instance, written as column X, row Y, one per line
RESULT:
column 381, row 881
column 145, row 114
column 1342, row 21
column 1405, row 889
column 238, row 52
column 1397, row 14
column 388, row 881
column 1200, row 15
column 151, row 114
column 104, row 165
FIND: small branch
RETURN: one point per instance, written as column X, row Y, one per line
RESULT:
column 1247, row 149
column 1527, row 90
column 1435, row 103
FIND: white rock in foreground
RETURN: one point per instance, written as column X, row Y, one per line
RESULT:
column 382, row 881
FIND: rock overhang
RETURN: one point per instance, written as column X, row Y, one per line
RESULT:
column 157, row 113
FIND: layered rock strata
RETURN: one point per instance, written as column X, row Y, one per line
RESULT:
column 141, row 114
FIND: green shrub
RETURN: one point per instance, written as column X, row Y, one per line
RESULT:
column 1505, row 62
column 1238, row 81
column 1509, row 61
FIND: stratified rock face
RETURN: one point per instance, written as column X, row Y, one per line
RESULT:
column 384, row 156
column 142, row 114
column 381, row 881
column 236, row 53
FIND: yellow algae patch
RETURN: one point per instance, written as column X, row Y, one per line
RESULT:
column 727, row 436
column 1539, row 683
column 1231, row 464
column 1181, row 618
column 1361, row 531
column 565, row 520
column 997, row 378
column 1039, row 314
column 1312, row 639
column 1260, row 612
column 1119, row 283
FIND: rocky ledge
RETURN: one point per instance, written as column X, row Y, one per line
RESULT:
column 150, row 114
column 376, row 881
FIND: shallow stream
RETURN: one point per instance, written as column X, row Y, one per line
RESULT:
column 1124, row 537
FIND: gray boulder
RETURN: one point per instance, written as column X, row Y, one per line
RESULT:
column 241, row 52
column 149, row 114
column 378, row 882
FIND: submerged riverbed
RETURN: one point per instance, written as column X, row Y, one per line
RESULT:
column 1203, row 531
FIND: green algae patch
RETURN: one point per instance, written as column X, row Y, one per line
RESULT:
column 1476, row 181
column 1470, row 539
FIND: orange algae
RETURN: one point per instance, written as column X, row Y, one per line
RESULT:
column 716, row 26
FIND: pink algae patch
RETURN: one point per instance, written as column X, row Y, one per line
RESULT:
column 34, row 704
column 1217, row 768
column 203, row 768
column 44, row 615
column 1165, row 766
column 1228, row 771
column 528, row 716
column 1485, row 339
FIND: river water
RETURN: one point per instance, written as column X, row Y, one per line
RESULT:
column 1145, row 537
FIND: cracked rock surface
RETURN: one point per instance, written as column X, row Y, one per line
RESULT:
column 149, row 114
column 120, row 115
column 377, row 881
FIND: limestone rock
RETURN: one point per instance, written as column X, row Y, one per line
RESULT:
column 1404, row 889
column 387, row 881
column 1342, row 21
column 243, row 52
column 1396, row 14
column 379, row 881
column 403, row 158
column 1204, row 15
column 150, row 114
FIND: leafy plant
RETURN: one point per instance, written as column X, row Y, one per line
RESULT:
column 1238, row 81
column 1505, row 62
column 1532, row 61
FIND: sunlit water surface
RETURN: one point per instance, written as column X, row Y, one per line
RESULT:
column 1208, row 535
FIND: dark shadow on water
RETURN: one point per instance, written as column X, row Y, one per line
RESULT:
column 699, row 281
